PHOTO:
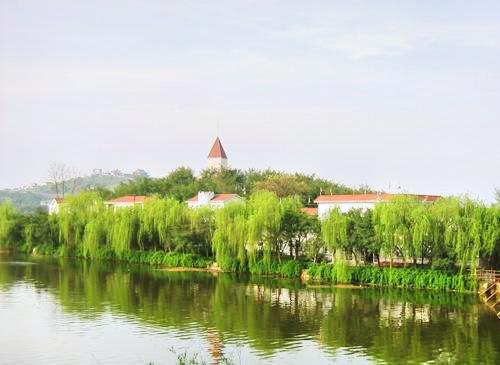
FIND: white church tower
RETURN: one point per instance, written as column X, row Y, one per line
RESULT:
column 217, row 158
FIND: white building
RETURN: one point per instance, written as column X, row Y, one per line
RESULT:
column 127, row 201
column 53, row 205
column 346, row 203
column 217, row 158
column 212, row 200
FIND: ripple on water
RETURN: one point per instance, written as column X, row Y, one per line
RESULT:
column 70, row 314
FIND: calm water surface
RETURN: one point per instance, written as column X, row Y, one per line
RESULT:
column 67, row 312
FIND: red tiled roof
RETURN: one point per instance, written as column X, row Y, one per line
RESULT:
column 370, row 198
column 216, row 198
column 129, row 199
column 349, row 198
column 217, row 150
column 223, row 197
column 309, row 211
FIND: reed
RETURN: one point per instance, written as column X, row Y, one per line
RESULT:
column 407, row 278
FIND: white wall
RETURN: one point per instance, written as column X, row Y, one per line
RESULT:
column 325, row 208
column 217, row 163
column 124, row 205
column 53, row 207
column 215, row 205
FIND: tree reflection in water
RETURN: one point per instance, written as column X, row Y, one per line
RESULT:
column 273, row 316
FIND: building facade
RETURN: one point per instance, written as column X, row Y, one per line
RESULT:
column 347, row 202
column 127, row 201
column 212, row 200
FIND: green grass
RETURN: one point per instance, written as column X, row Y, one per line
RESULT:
column 285, row 269
column 152, row 258
column 407, row 278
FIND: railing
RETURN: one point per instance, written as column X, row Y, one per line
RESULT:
column 489, row 294
column 488, row 275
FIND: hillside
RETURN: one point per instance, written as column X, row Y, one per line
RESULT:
column 28, row 198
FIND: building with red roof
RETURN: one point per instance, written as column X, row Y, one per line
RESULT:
column 127, row 201
column 217, row 158
column 347, row 202
column 212, row 200
column 52, row 206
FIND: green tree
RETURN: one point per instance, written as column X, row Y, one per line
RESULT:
column 223, row 181
column 392, row 222
column 296, row 228
column 8, row 224
column 282, row 185
column 229, row 241
column 334, row 231
column 180, row 184
column 361, row 235
column 264, row 223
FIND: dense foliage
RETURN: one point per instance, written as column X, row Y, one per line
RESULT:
column 459, row 230
column 182, row 184
column 267, row 234
column 408, row 278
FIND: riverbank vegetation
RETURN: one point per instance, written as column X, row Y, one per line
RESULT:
column 439, row 244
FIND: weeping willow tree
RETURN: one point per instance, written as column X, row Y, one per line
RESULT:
column 460, row 230
column 470, row 230
column 229, row 241
column 7, row 223
column 393, row 227
column 334, row 232
column 163, row 224
column 96, row 233
column 491, row 230
column 421, row 233
column 264, row 222
column 124, row 230
column 202, row 225
column 73, row 216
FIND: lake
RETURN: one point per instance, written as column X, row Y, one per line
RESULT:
column 74, row 312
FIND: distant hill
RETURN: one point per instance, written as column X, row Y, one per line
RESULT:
column 28, row 198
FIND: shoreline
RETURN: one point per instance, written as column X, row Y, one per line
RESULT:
column 310, row 277
column 190, row 269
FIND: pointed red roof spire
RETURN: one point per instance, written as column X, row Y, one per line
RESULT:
column 217, row 150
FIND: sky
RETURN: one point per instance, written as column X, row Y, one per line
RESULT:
column 388, row 93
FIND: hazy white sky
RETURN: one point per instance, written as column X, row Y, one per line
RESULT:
column 405, row 93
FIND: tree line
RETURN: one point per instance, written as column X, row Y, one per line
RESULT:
column 182, row 184
column 264, row 231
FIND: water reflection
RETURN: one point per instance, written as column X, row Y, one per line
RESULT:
column 273, row 318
